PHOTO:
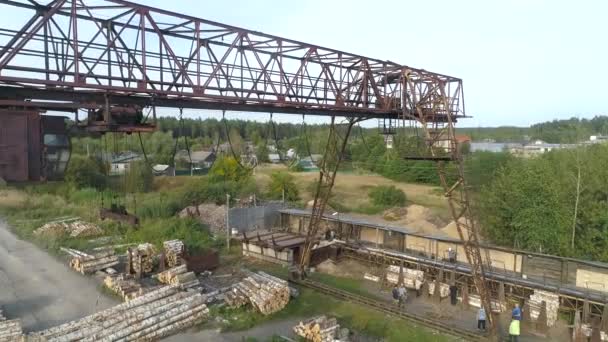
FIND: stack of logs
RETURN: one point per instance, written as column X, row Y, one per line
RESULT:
column 497, row 306
column 174, row 250
column 552, row 305
column 444, row 289
column 10, row 330
column 72, row 226
column 266, row 293
column 412, row 279
column 91, row 263
column 151, row 317
column 179, row 276
column 141, row 258
column 318, row 329
column 124, row 285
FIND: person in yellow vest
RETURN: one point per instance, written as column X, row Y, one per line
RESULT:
column 514, row 330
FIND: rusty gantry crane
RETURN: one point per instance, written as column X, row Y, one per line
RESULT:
column 114, row 58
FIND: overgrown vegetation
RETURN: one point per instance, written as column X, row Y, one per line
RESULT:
column 85, row 172
column 283, row 183
column 387, row 196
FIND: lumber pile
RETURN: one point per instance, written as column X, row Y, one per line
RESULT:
column 91, row 263
column 497, row 306
column 151, row 317
column 124, row 285
column 142, row 258
column 536, row 301
column 318, row 329
column 444, row 289
column 10, row 330
column 71, row 227
column 166, row 276
column 266, row 293
column 174, row 250
column 179, row 275
column 412, row 279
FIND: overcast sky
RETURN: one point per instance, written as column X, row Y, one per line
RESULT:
column 522, row 61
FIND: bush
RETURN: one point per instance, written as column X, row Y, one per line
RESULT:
column 280, row 181
column 388, row 196
column 227, row 169
column 139, row 178
column 85, row 172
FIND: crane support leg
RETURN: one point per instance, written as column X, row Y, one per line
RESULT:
column 334, row 151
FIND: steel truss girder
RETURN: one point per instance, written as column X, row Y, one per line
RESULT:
column 127, row 49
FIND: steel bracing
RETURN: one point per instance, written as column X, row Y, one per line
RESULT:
column 77, row 50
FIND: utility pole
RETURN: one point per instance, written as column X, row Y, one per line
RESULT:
column 228, row 222
column 283, row 197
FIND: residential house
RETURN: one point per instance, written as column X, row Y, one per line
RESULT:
column 120, row 163
column 310, row 163
column 196, row 160
column 274, row 158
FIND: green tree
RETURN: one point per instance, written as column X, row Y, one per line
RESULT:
column 84, row 172
column 261, row 153
column 280, row 181
column 387, row 196
column 228, row 169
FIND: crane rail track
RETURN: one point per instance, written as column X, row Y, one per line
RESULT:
column 391, row 310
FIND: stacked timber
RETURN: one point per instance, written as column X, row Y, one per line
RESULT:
column 174, row 250
column 124, row 285
column 536, row 302
column 412, row 279
column 497, row 306
column 444, row 289
column 166, row 276
column 266, row 293
column 72, row 227
column 235, row 299
column 186, row 280
column 91, row 263
column 142, row 258
column 179, row 276
column 10, row 330
column 318, row 329
column 151, row 317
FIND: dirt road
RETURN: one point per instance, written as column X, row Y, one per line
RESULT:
column 39, row 289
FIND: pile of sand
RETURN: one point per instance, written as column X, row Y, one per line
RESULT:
column 394, row 214
column 452, row 231
column 212, row 215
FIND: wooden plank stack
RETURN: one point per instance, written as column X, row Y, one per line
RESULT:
column 142, row 258
column 174, row 250
column 266, row 293
column 444, row 289
column 318, row 329
column 91, row 263
column 124, row 285
column 72, row 227
column 151, row 317
column 412, row 279
column 536, row 301
column 497, row 306
column 10, row 330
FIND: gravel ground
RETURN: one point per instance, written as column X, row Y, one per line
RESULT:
column 39, row 289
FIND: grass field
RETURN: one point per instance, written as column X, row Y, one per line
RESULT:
column 350, row 193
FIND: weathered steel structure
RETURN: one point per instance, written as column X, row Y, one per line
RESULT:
column 115, row 58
